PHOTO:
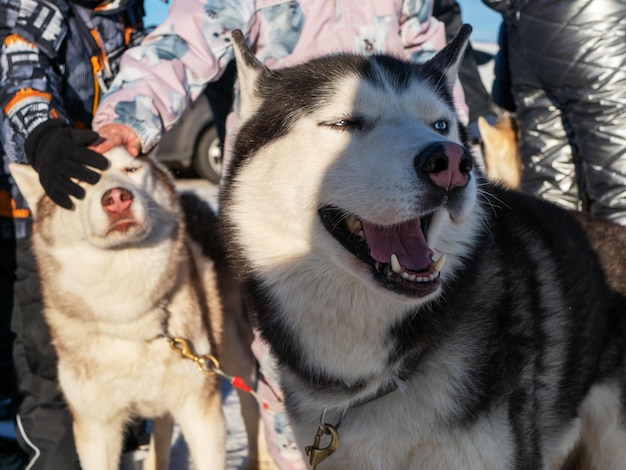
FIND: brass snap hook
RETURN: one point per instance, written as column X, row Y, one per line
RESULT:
column 207, row 364
column 317, row 454
column 182, row 346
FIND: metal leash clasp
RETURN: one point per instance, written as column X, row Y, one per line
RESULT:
column 207, row 364
column 317, row 454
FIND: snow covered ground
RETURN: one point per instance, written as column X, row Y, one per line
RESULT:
column 236, row 440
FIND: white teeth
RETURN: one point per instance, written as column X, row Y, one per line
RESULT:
column 438, row 265
column 397, row 268
column 395, row 265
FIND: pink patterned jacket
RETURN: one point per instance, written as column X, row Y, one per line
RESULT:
column 158, row 79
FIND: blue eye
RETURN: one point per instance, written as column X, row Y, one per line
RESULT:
column 441, row 125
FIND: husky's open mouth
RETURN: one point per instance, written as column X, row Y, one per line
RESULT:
column 399, row 254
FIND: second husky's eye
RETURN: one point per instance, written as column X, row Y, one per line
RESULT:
column 441, row 126
column 347, row 124
column 342, row 123
column 131, row 169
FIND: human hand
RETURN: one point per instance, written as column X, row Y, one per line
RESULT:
column 60, row 155
column 116, row 135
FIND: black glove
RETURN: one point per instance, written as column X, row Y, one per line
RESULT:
column 59, row 153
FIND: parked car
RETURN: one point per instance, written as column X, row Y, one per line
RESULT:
column 196, row 141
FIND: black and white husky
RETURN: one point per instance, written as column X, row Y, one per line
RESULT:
column 432, row 320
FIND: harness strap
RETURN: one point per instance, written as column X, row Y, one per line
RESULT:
column 98, row 57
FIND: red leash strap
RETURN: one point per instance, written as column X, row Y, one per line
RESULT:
column 209, row 365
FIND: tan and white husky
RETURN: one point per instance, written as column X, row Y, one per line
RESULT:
column 126, row 289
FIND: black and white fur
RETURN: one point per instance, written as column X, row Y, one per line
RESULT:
column 494, row 341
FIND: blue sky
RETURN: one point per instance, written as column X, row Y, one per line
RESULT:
column 484, row 20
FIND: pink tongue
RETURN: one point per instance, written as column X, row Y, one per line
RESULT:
column 405, row 240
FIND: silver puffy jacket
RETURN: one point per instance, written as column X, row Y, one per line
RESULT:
column 568, row 69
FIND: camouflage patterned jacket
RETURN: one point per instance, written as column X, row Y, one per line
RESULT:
column 56, row 59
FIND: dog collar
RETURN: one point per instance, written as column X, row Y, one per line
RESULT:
column 385, row 389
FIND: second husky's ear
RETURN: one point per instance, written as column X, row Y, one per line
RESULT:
column 27, row 180
column 449, row 58
column 248, row 70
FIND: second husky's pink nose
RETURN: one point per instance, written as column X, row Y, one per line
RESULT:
column 117, row 200
column 448, row 164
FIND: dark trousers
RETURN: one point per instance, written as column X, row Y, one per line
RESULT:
column 7, row 280
column 44, row 423
column 11, row 456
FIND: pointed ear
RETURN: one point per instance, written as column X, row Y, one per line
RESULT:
column 27, row 180
column 249, row 69
column 449, row 58
column 484, row 128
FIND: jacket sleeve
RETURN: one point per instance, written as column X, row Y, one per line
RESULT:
column 422, row 34
column 159, row 78
column 31, row 34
